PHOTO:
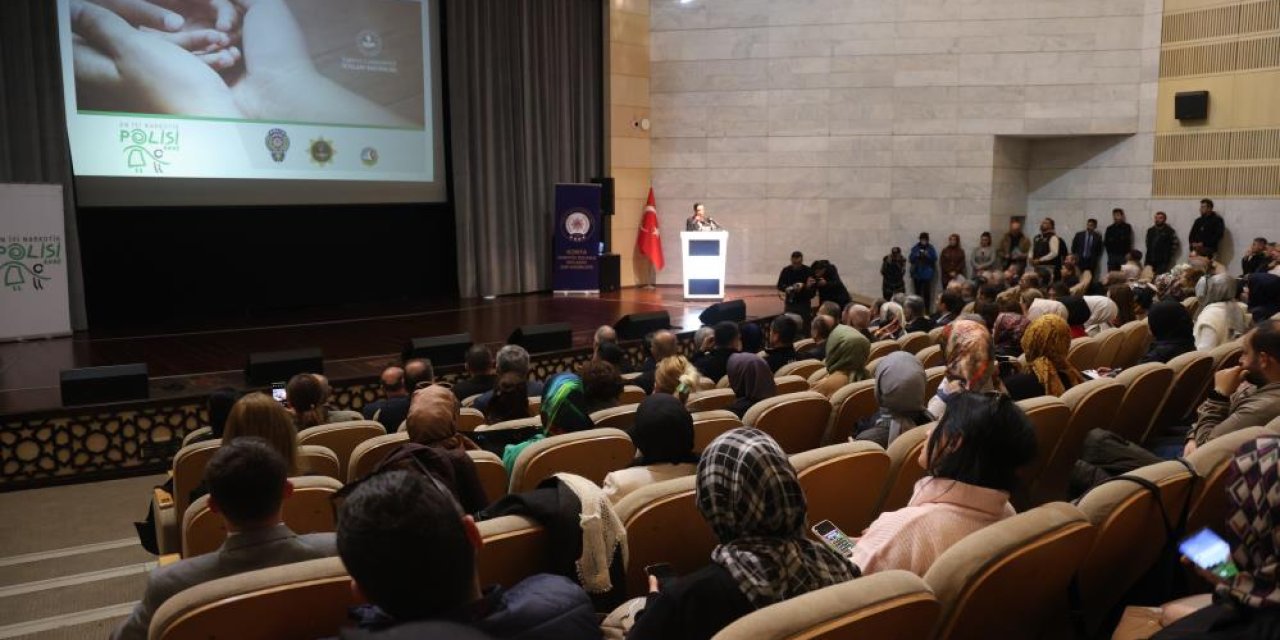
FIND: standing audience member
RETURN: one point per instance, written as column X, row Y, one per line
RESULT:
column 1047, row 249
column 952, row 260
column 1162, row 244
column 562, row 411
column 782, row 338
column 1045, row 345
column 846, row 360
column 900, row 387
column 1119, row 241
column 924, row 261
column 971, row 459
column 1221, row 318
column 1206, row 231
column 480, row 375
column 511, row 358
column 893, row 270
column 751, row 381
column 794, row 289
column 663, row 435
column 826, row 281
column 714, row 363
column 392, row 408
column 1087, row 247
column 1014, row 247
column 984, row 257
column 1257, row 259
column 1171, row 334
column 748, row 492
column 306, row 395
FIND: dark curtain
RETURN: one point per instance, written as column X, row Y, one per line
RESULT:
column 526, row 108
column 33, row 132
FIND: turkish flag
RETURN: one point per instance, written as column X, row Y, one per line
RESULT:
column 649, row 239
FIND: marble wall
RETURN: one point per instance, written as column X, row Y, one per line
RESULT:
column 842, row 127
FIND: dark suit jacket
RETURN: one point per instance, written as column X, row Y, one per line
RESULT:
column 714, row 364
column 242, row 552
column 464, row 389
column 1095, row 247
column 389, row 411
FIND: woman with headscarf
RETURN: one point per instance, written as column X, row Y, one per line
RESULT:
column 971, row 459
column 891, row 322
column 752, row 337
column 663, row 435
column 1045, row 345
column 846, row 361
column 1263, row 296
column 562, row 411
column 1008, row 333
column 1171, row 335
column 751, row 381
column 1221, row 318
column 749, row 494
column 900, row 386
column 971, row 364
column 1102, row 314
column 1078, row 314
column 1045, row 306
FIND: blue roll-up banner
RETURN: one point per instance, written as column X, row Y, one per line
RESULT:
column 576, row 252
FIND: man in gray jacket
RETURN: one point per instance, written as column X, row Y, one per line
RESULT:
column 1232, row 405
column 248, row 483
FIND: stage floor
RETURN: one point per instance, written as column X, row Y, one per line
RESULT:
column 356, row 342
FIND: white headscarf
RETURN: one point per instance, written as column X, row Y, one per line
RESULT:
column 1044, row 306
column 1102, row 311
column 1221, row 318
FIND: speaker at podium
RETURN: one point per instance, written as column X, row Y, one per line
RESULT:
column 704, row 261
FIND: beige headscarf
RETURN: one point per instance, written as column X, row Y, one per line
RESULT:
column 433, row 419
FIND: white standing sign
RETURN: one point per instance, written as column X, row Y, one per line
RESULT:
column 34, row 294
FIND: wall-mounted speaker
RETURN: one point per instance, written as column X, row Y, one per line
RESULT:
column 440, row 350
column 610, row 272
column 1191, row 105
column 540, row 338
column 96, row 385
column 635, row 326
column 732, row 310
column 278, row 366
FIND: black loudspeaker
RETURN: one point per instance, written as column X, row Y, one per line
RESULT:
column 733, row 311
column 1191, row 105
column 440, row 350
column 606, row 195
column 634, row 326
column 610, row 272
column 278, row 366
column 94, row 385
column 540, row 338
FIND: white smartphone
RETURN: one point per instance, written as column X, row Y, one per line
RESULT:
column 830, row 534
column 277, row 392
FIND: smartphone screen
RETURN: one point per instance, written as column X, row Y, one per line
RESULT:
column 277, row 392
column 834, row 538
column 1209, row 552
column 662, row 571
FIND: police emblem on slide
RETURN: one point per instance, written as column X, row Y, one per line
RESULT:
column 322, row 151
column 278, row 144
column 577, row 225
column 369, row 42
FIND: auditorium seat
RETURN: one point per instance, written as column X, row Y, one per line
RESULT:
column 518, row 423
column 493, row 475
column 883, row 348
column 790, row 384
column 1109, row 343
column 308, row 510
column 1146, row 387
column 708, row 425
column 931, row 356
column 341, row 437
column 1050, row 417
column 1130, row 534
column 802, row 344
column 591, row 454
column 1010, row 579
column 1083, row 353
column 1137, row 335
column 723, row 382
column 1192, row 305
column 316, row 460
column 935, row 334
column 915, row 341
column 1227, row 354
column 1192, row 373
column 1210, row 461
column 469, row 418
column 1092, row 405
column 802, row 368
column 849, row 404
column 301, row 600
column 369, row 453
column 817, row 376
column 710, row 400
column 195, row 434
column 795, row 420
column 664, row 525
column 621, row 417
column 631, row 394
column 470, row 401
column 515, row 547
column 891, row 604
column 628, row 377
column 188, row 473
column 904, row 467
column 933, row 377
column 843, row 482
column 535, row 405
column 871, row 367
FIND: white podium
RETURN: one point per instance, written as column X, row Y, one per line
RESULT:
column 704, row 258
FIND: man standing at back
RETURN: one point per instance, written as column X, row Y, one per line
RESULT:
column 1119, row 242
column 1047, row 250
column 1014, row 247
column 1162, row 243
column 1087, row 247
column 924, row 261
column 794, row 289
column 1206, row 231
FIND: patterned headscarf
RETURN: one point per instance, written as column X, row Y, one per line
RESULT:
column 1046, row 343
column 749, row 493
column 750, row 377
column 1253, row 494
column 563, row 404
column 847, row 352
column 970, row 355
column 1009, row 330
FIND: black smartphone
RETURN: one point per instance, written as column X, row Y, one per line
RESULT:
column 277, row 392
column 1210, row 552
column 829, row 533
column 662, row 571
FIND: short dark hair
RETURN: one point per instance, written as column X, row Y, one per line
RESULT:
column 246, row 477
column 401, row 537
column 1135, row 255
column 696, row 205
column 219, row 405
column 784, row 328
column 613, row 354
column 1117, row 210
column 1207, row 201
column 982, row 440
column 1050, row 221
column 601, row 381
column 427, row 375
column 1260, row 239
column 1093, row 220
column 953, row 303
column 985, row 234
column 479, row 359
column 989, row 312
column 1265, row 338
column 1059, row 290
column 797, row 254
column 914, row 305
column 726, row 333
column 990, row 292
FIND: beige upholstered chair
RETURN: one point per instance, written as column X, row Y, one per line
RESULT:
column 1209, row 497
column 1227, row 354
column 889, row 604
column 871, row 367
column 300, row 600
column 843, row 482
column 723, row 382
column 1192, row 373
column 708, row 425
column 935, row 334
column 1146, row 387
column 1192, row 305
column 796, row 420
column 469, row 418
column 933, row 377
column 915, row 341
column 1130, row 534
column 188, row 471
column 1010, row 580
column 1137, row 335
column 1083, row 353
column 470, row 401
column 790, row 384
column 849, row 404
column 316, row 460
column 1050, row 417
column 664, row 525
column 518, row 423
column 514, row 548
column 803, row 343
column 904, row 467
column 631, row 394
column 1109, row 343
column 883, row 348
column 802, row 368
column 931, row 356
column 369, row 453
column 818, row 376
column 710, row 400
column 307, row 510
column 195, row 434
column 1092, row 405
column 341, row 437
column 591, row 454
column 493, row 475
column 621, row 417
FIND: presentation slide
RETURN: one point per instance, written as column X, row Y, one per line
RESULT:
column 223, row 102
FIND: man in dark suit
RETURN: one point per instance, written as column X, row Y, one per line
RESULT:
column 715, row 363
column 1119, row 241
column 480, row 376
column 248, row 483
column 1257, row 260
column 1087, row 247
column 391, row 409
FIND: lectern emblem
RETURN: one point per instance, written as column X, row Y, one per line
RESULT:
column 577, row 225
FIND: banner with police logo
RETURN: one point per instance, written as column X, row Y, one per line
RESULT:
column 577, row 247
column 33, row 263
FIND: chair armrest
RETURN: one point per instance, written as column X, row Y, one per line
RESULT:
column 168, row 559
column 164, row 499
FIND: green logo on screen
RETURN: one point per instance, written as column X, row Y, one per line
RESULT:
column 145, row 147
column 25, row 258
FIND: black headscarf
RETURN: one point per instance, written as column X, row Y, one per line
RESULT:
column 1171, row 334
column 663, row 431
column 1264, row 296
column 1077, row 310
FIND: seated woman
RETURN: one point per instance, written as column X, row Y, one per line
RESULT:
column 1078, row 314
column 563, row 411
column 1008, row 333
column 676, row 376
column 900, row 385
column 1171, row 335
column 257, row 414
column 663, row 434
column 751, row 381
column 971, row 460
column 601, row 386
column 1221, row 318
column 1102, row 314
column 218, row 404
column 510, row 399
column 307, row 394
column 1045, row 345
column 1123, row 296
column 1045, row 306
column 846, row 361
column 971, row 364
column 748, row 492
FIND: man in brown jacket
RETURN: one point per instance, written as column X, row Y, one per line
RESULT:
column 1232, row 404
